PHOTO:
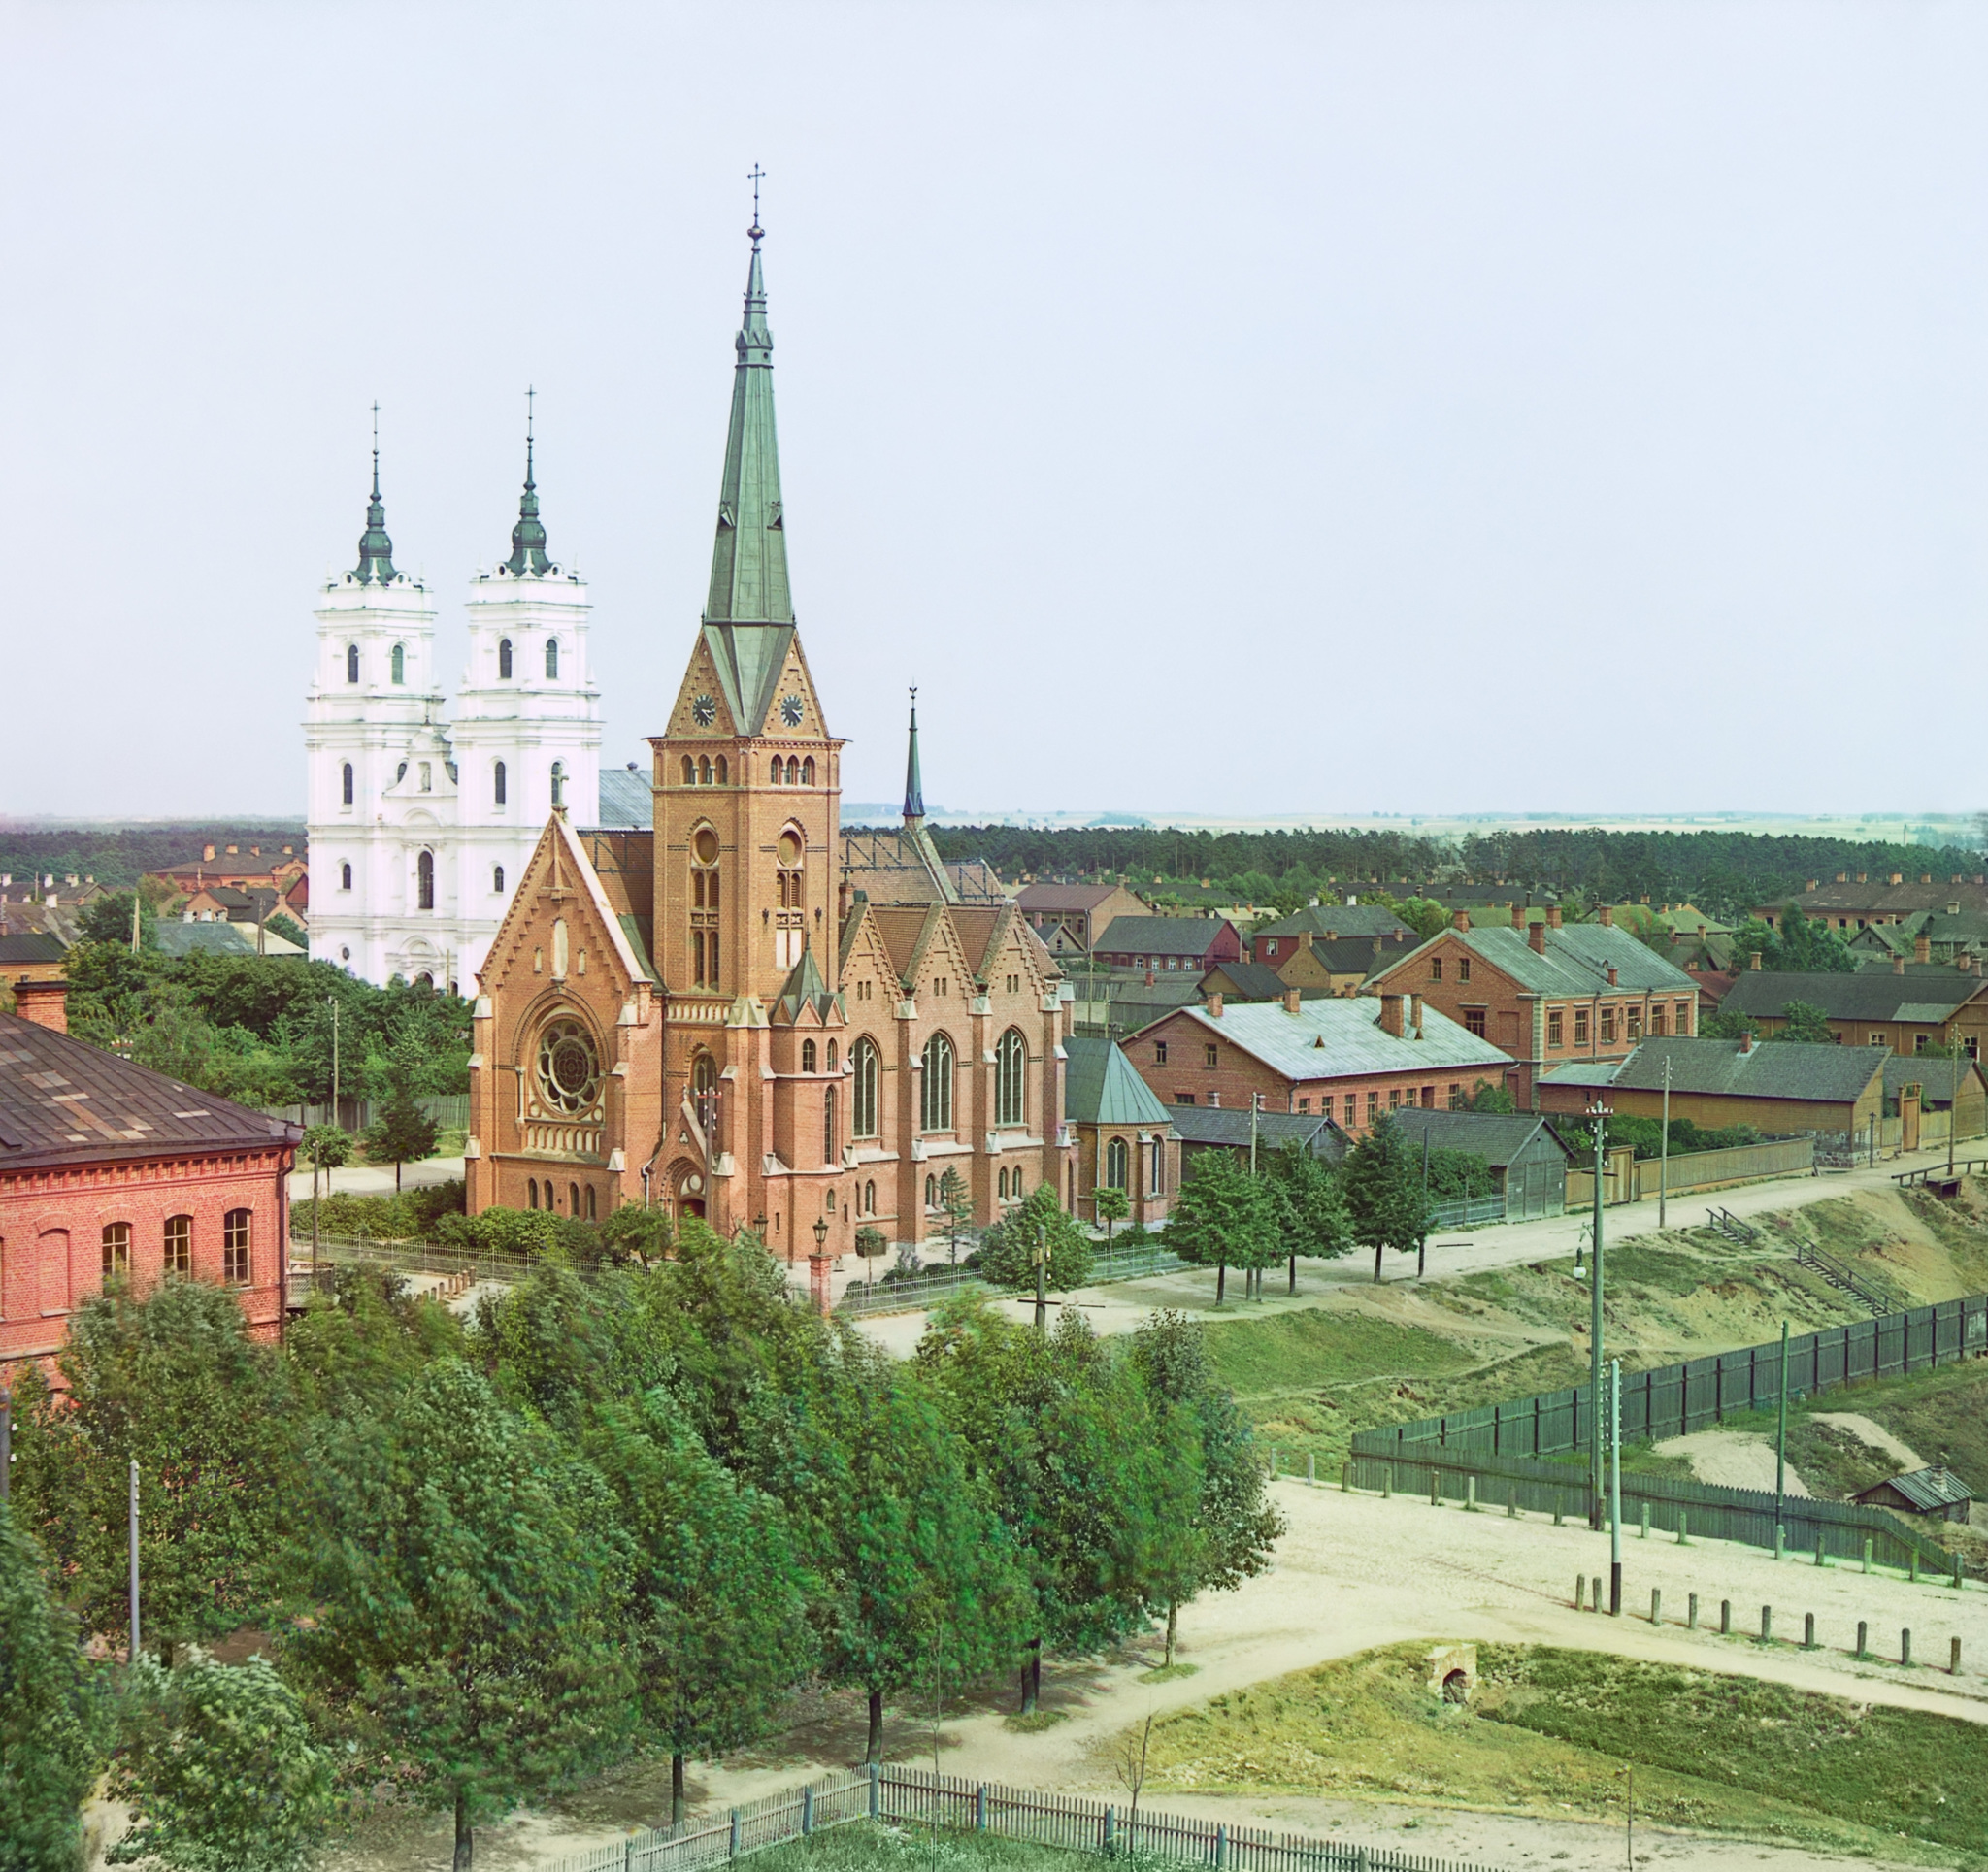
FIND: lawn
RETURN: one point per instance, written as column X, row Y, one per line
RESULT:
column 1551, row 1732
column 862, row 1847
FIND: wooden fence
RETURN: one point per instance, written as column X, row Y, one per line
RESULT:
column 1504, row 1443
column 905, row 1796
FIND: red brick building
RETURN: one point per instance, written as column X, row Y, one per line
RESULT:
column 109, row 1171
column 1174, row 943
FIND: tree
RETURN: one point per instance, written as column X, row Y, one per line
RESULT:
column 1804, row 1022
column 719, row 1630
column 403, row 1133
column 1111, row 1207
column 1382, row 1181
column 1223, row 1218
column 465, row 1571
column 870, row 1242
column 641, row 1235
column 174, row 1382
column 1728, row 1026
column 109, row 920
column 285, row 927
column 1311, row 1214
column 329, row 1148
column 956, row 1203
column 49, row 1751
column 1233, row 1524
column 1036, row 1246
column 222, row 1770
column 1485, row 1097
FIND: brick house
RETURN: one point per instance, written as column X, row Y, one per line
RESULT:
column 1081, row 911
column 1546, row 993
column 1348, row 1058
column 110, row 1171
column 35, row 956
column 1168, row 942
column 1908, row 1007
column 1863, row 902
column 1324, row 922
column 1125, row 1137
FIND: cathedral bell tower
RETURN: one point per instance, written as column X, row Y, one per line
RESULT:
column 747, row 784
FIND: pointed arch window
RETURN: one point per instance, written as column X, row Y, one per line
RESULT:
column 720, row 769
column 830, row 1151
column 1158, row 1153
column 831, row 1056
column 497, row 878
column 349, row 783
column 703, row 771
column 703, row 1094
column 504, row 674
column 778, row 772
column 1002, row 1180
column 400, row 662
column 863, row 1057
column 344, row 878
column 793, row 771
column 1114, row 1164
column 531, row 1186
column 424, row 881
column 690, row 772
column 351, row 663
column 808, row 1056
column 931, row 1192
column 807, row 771
column 1011, row 1080
column 553, row 659
column 499, row 780
column 936, row 1094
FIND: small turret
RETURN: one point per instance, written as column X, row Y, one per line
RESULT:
column 914, row 788
column 375, row 549
column 528, row 537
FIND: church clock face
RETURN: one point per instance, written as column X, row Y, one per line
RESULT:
column 791, row 710
column 704, row 711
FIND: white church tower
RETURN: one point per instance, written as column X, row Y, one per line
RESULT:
column 419, row 833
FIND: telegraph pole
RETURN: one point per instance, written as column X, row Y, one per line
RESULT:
column 1597, row 1114
column 1664, row 1170
column 1781, row 1439
column 6, row 1440
column 134, row 1559
column 1615, row 1487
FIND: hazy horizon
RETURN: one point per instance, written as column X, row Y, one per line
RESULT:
column 1418, row 408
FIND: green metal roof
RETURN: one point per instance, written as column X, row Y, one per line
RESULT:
column 748, row 566
column 375, row 549
column 1102, row 1087
column 528, row 536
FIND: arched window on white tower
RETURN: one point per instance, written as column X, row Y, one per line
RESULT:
column 424, row 881
column 351, row 663
column 497, row 878
column 504, row 660
column 347, row 783
column 553, row 658
column 344, row 878
column 558, row 783
column 497, row 783
column 400, row 662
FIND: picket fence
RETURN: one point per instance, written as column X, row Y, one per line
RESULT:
column 907, row 1796
column 1501, row 1445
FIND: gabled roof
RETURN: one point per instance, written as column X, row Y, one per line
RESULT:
column 1102, row 1087
column 1275, row 1130
column 173, row 939
column 1927, row 995
column 1575, row 961
column 1252, row 981
column 1162, row 936
column 626, row 798
column 1339, row 919
column 1498, row 1137
column 1063, row 899
column 1935, row 1075
column 804, row 992
column 62, row 1102
column 897, row 867
column 1926, row 1490
column 1340, row 1036
column 33, row 945
column 1799, row 1071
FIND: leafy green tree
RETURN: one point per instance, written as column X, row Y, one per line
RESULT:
column 1728, row 1026
column 1036, row 1239
column 719, row 1627
column 1311, row 1209
column 403, row 1133
column 222, row 1770
column 1111, row 1207
column 109, row 920
column 1485, row 1097
column 283, row 926
column 1804, row 1022
column 558, row 1341
column 50, row 1749
column 956, row 1204
column 1233, row 1524
column 1223, row 1218
column 1800, row 944
column 361, row 1339
column 173, row 1381
column 871, row 1243
column 467, row 1571
column 1383, row 1179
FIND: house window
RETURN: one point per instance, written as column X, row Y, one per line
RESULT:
column 1373, row 1107
column 1657, row 1021
column 344, row 878
column 808, row 1056
column 1158, row 1183
column 504, row 671
column 553, row 659
column 1580, row 1027
column 351, row 663
column 424, row 881
column 497, row 878
column 1434, row 967
column 1159, row 1053
column 1682, row 1024
column 1922, row 1042
column 1456, row 1097
column 863, row 1057
column 400, row 662
column 830, row 1151
column 1394, row 1098
column 1474, row 1021
column 1632, row 1018
column 117, row 1251
column 497, row 780
column 1270, row 945
column 1553, row 1026
column 931, row 1192
column 1608, row 1027
column 1304, row 1104
column 1463, row 968
column 1352, row 1111
column 1875, row 1040
column 1010, row 1079
column 1207, row 1054
column 1183, row 1097
column 235, row 1262
column 349, row 783
column 936, row 1095
column 178, row 1245
column 1115, row 1164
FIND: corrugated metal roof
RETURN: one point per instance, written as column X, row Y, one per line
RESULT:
column 626, row 798
column 1926, row 1490
column 33, row 945
column 1341, row 1036
column 1576, row 961
column 1102, row 1087
column 1796, row 1069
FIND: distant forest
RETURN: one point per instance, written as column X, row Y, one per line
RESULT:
column 1722, row 873
column 120, row 855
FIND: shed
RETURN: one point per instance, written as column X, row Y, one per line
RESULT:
column 1922, row 1491
column 1527, row 1159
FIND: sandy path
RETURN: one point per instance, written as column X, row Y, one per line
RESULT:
column 1734, row 1459
column 1874, row 1434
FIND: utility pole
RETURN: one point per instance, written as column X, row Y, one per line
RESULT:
column 134, row 919
column 1615, row 1487
column 6, row 1440
column 1781, row 1436
column 1953, row 1091
column 1663, row 1165
column 1252, row 1276
column 1422, row 1239
column 1597, row 1114
column 134, row 1559
column 334, row 1059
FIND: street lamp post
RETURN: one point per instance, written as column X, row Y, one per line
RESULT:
column 817, row 1264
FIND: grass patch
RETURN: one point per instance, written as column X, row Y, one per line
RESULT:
column 1550, row 1731
column 1655, row 1272
column 863, row 1847
column 1035, row 1721
column 1316, row 1346
column 1167, row 1673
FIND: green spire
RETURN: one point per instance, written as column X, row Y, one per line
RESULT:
column 914, row 788
column 748, row 565
column 528, row 537
column 375, row 549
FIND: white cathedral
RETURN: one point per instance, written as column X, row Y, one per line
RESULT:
column 419, row 827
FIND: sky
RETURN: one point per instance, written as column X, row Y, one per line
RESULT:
column 1230, row 408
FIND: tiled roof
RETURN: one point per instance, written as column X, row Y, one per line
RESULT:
column 1275, row 1130
column 64, row 1102
column 1927, row 995
column 1100, row 1087
column 1341, row 1036
column 1814, row 1071
column 1337, row 919
column 1065, row 898
column 1496, row 1137
column 1160, row 935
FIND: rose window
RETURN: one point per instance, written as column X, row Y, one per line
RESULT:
column 569, row 1068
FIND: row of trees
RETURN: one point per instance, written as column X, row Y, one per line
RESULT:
column 632, row 1511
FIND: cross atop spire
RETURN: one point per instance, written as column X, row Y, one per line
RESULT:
column 375, row 549
column 915, row 787
column 528, row 537
column 756, row 178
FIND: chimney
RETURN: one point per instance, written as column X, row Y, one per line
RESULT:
column 1215, row 1004
column 1305, row 939
column 1842, row 877
column 233, row 851
column 1898, row 965
column 43, row 1002
column 1753, row 958
column 1863, row 877
column 1460, row 919
column 1332, row 936
column 1611, row 975
column 1647, row 897
column 1518, row 916
column 1391, row 1015
column 1922, row 947
column 1151, row 978
column 1553, row 917
column 1954, row 909
column 1291, row 1001
column 1898, row 877
column 1415, row 1015
column 1607, row 915
column 208, row 854
column 1810, row 885
column 1925, row 877
column 1535, row 936
column 1747, row 1041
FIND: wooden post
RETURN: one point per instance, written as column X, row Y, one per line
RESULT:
column 875, row 1770
column 1905, row 1647
column 1953, row 1664
column 1867, row 1554
column 1691, row 1613
column 1656, row 1606
column 1580, row 1591
column 1863, row 1637
column 1809, row 1631
column 1725, row 1618
column 1434, row 1482
column 733, row 1852
column 1683, row 1529
column 807, row 1811
column 1643, row 1532
column 1469, row 1495
column 980, row 1808
column 1766, row 1624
